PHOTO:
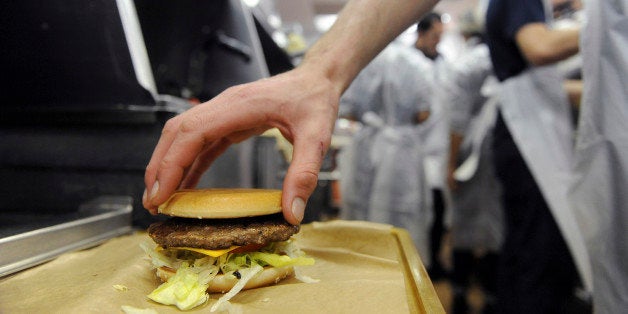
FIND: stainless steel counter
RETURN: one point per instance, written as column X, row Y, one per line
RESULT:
column 28, row 239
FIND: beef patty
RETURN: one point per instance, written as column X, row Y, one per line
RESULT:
column 214, row 234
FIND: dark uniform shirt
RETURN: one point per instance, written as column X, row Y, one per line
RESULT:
column 503, row 19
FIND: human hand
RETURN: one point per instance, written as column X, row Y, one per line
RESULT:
column 302, row 104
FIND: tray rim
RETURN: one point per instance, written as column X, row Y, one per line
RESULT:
column 422, row 297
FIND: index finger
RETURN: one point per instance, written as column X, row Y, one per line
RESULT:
column 150, row 176
column 182, row 152
column 193, row 131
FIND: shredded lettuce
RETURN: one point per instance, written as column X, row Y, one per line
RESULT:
column 304, row 278
column 246, row 275
column 277, row 260
column 157, row 258
column 187, row 288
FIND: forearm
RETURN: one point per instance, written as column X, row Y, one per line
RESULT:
column 574, row 91
column 454, row 148
column 363, row 29
column 423, row 115
column 541, row 45
column 565, row 43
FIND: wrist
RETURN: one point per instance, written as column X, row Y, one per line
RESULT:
column 328, row 70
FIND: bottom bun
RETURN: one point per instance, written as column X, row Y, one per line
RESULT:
column 224, row 283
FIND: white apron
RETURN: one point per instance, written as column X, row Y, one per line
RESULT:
column 599, row 194
column 536, row 111
column 477, row 212
column 383, row 181
column 400, row 195
column 382, row 170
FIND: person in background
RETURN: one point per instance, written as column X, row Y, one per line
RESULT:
column 477, row 226
column 430, row 29
column 537, row 271
column 601, row 157
column 382, row 175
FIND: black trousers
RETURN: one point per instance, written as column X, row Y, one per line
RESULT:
column 536, row 272
column 436, row 234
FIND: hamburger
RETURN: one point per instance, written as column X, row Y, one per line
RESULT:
column 220, row 241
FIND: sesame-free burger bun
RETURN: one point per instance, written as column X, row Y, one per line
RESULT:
column 223, row 283
column 222, row 203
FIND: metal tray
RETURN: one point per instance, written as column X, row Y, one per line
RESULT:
column 27, row 240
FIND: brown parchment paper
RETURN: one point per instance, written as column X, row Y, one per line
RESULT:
column 361, row 268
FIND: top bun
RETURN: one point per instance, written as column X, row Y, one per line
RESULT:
column 222, row 203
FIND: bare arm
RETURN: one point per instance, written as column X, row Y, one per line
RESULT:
column 454, row 148
column 574, row 91
column 423, row 115
column 541, row 45
column 363, row 29
column 302, row 104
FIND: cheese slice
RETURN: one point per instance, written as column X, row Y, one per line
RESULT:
column 212, row 253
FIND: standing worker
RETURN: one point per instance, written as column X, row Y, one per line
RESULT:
column 476, row 210
column 430, row 29
column 532, row 147
column 382, row 171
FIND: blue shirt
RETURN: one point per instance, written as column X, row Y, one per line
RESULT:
column 504, row 18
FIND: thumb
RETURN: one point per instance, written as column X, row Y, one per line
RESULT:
column 301, row 178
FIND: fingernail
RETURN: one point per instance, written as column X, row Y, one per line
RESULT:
column 154, row 190
column 144, row 197
column 298, row 209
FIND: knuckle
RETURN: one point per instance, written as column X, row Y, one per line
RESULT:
column 170, row 126
column 307, row 176
column 191, row 124
column 167, row 163
column 238, row 92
